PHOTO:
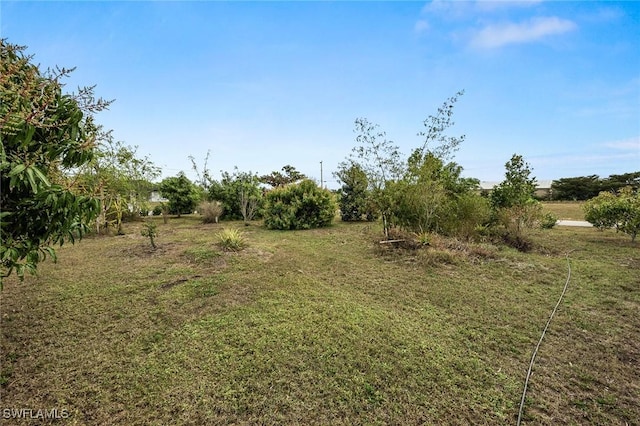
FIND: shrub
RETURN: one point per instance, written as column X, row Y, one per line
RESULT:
column 548, row 220
column 238, row 192
column 231, row 239
column 149, row 230
column 621, row 211
column 518, row 218
column 210, row 211
column 465, row 214
column 157, row 210
column 299, row 206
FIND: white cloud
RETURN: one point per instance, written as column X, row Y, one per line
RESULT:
column 494, row 36
column 444, row 7
column 494, row 5
column 458, row 9
column 629, row 144
column 421, row 26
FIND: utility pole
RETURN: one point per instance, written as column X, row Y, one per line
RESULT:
column 321, row 181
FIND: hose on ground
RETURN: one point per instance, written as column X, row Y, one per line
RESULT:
column 535, row 352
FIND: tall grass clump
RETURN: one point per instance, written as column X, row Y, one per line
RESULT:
column 231, row 239
column 210, row 211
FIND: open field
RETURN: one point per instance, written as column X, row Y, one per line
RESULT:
column 565, row 210
column 322, row 327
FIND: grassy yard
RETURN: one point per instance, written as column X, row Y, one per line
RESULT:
column 324, row 327
column 567, row 210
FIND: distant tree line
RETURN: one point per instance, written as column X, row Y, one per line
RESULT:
column 586, row 187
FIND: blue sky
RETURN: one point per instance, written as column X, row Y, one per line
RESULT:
column 264, row 84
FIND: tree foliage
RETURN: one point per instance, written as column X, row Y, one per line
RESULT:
column 513, row 202
column 381, row 161
column 299, row 206
column 119, row 178
column 434, row 197
column 585, row 187
column 576, row 188
column 354, row 202
column 203, row 177
column 43, row 133
column 518, row 186
column 618, row 182
column 621, row 211
column 238, row 192
column 277, row 179
column 436, row 140
column 426, row 192
column 182, row 194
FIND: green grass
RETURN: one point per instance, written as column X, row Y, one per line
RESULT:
column 324, row 327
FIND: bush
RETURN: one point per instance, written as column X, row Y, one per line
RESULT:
column 183, row 195
column 299, row 206
column 231, row 240
column 621, row 211
column 210, row 211
column 548, row 220
column 149, row 230
column 157, row 210
column 465, row 214
column 238, row 193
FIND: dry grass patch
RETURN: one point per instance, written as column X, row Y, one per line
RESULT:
column 565, row 210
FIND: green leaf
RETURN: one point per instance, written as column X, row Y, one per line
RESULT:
column 17, row 170
column 32, row 180
column 40, row 176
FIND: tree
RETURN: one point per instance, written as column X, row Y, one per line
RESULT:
column 436, row 140
column 419, row 194
column 576, row 188
column 512, row 200
column 204, row 179
column 585, row 187
column 621, row 211
column 277, row 179
column 355, row 203
column 119, row 178
column 299, row 206
column 380, row 159
column 182, row 194
column 618, row 182
column 237, row 191
column 432, row 195
column 518, row 187
column 43, row 133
